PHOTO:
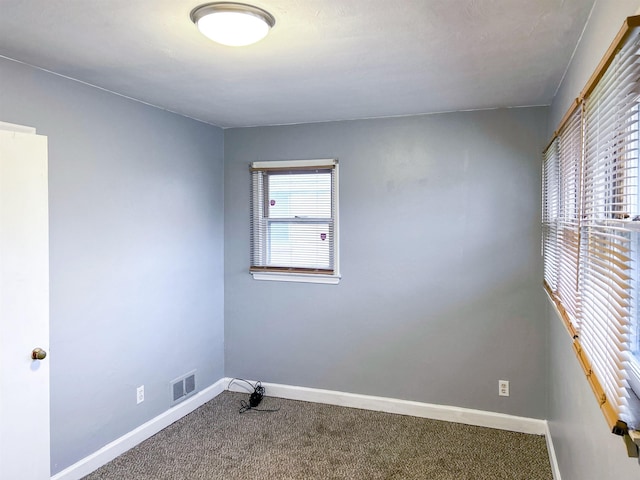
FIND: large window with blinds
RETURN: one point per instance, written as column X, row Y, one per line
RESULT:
column 591, row 227
column 294, row 221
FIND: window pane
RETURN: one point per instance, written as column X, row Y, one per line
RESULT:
column 300, row 245
column 299, row 195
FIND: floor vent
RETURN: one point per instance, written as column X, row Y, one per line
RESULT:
column 183, row 387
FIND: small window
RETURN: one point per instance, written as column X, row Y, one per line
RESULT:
column 294, row 221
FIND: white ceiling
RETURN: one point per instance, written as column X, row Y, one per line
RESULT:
column 323, row 60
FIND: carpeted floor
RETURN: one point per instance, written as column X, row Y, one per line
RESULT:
column 314, row 441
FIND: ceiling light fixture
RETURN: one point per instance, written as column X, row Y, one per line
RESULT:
column 233, row 24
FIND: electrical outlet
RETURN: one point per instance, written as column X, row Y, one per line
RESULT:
column 503, row 388
column 140, row 394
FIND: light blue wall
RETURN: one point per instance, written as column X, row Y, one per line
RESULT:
column 607, row 17
column 584, row 447
column 440, row 255
column 136, row 254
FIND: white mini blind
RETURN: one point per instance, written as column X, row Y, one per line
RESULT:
column 610, row 200
column 570, row 155
column 293, row 217
column 605, row 322
column 561, row 216
column 591, row 271
column 550, row 214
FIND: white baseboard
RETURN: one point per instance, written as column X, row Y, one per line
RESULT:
column 404, row 407
column 367, row 402
column 138, row 435
column 555, row 469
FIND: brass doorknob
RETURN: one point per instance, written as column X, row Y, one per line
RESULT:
column 38, row 354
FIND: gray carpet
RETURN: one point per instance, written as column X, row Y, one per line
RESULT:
column 313, row 441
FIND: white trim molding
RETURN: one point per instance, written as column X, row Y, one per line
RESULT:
column 555, row 469
column 320, row 162
column 404, row 407
column 297, row 277
column 140, row 434
column 13, row 127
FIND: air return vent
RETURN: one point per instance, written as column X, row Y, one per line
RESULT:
column 183, row 387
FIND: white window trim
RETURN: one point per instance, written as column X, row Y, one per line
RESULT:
column 297, row 277
column 333, row 279
column 322, row 162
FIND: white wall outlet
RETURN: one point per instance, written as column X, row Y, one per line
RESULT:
column 140, row 394
column 503, row 388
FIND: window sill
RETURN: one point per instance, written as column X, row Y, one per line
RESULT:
column 297, row 277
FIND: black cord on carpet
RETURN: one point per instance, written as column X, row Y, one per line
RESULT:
column 254, row 398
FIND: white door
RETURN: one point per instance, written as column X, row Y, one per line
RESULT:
column 24, row 305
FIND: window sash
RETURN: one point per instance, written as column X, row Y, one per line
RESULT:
column 290, row 241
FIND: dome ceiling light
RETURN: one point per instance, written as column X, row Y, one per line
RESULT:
column 233, row 24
